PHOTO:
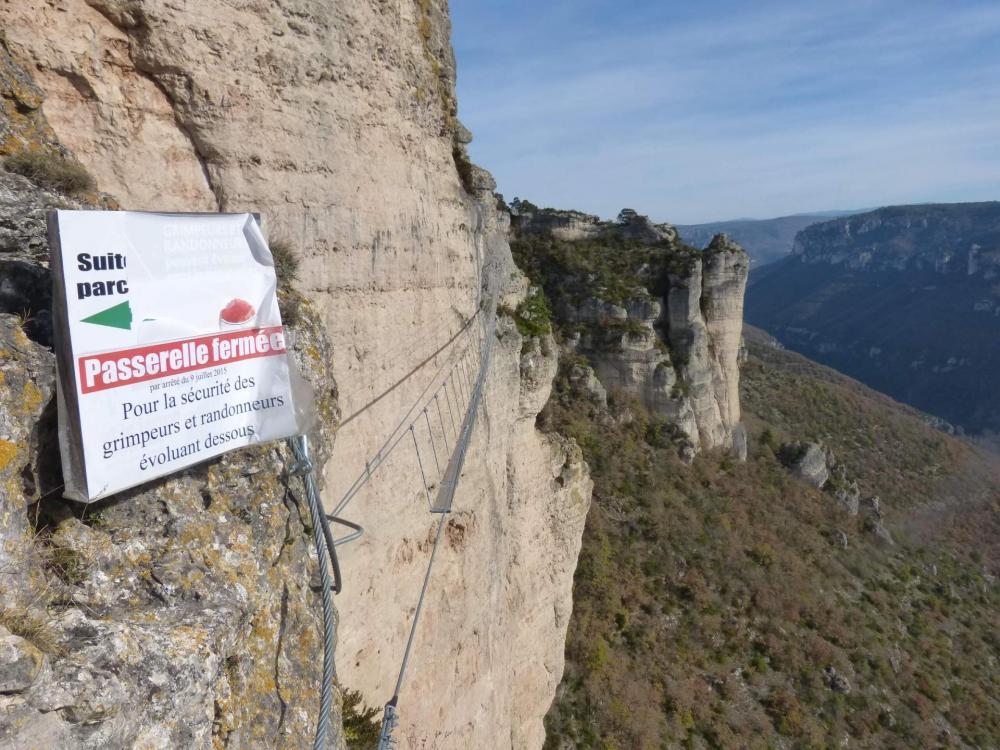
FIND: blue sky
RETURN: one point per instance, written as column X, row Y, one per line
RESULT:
column 699, row 111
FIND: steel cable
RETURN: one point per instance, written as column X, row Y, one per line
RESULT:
column 383, row 452
column 391, row 714
column 324, row 545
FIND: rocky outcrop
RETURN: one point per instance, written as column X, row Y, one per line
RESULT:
column 178, row 614
column 565, row 225
column 586, row 384
column 656, row 320
column 845, row 489
column 836, row 681
column 626, row 353
column 575, row 225
column 704, row 324
column 807, row 461
column 337, row 123
column 874, row 520
column 22, row 125
column 631, row 225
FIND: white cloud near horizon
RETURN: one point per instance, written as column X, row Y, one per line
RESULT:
column 733, row 109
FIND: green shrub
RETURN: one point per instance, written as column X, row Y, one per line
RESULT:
column 361, row 723
column 635, row 327
column 598, row 656
column 533, row 317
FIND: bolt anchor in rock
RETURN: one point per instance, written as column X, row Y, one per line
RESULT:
column 389, row 722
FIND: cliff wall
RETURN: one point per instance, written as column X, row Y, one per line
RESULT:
column 904, row 298
column 337, row 123
column 657, row 320
column 177, row 614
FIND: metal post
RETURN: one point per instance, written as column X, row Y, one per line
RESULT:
column 420, row 463
column 430, row 434
column 444, row 432
column 451, row 413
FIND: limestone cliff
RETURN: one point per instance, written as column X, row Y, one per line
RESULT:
column 704, row 325
column 178, row 614
column 337, row 122
column 655, row 319
column 904, row 298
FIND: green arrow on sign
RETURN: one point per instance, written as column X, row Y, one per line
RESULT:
column 119, row 316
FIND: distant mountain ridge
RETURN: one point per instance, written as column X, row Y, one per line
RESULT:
column 767, row 240
column 903, row 298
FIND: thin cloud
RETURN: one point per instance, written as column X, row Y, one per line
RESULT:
column 728, row 111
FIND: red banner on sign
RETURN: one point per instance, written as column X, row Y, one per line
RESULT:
column 99, row 372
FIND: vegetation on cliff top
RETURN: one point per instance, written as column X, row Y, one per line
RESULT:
column 614, row 269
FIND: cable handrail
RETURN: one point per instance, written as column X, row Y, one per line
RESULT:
column 398, row 432
column 446, row 494
column 467, row 384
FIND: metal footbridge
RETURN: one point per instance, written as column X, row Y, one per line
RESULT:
column 437, row 428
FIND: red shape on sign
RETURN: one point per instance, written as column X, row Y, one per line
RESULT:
column 238, row 311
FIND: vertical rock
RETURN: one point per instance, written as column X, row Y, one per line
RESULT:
column 725, row 269
column 705, row 324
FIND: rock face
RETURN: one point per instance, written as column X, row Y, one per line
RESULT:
column 808, row 463
column 178, row 614
column 905, row 299
column 628, row 356
column 634, row 226
column 944, row 238
column 22, row 125
column 566, row 225
column 674, row 342
column 705, row 323
column 20, row 663
column 337, row 123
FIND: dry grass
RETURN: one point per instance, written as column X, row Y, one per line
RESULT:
column 51, row 170
column 286, row 268
column 34, row 627
column 286, row 260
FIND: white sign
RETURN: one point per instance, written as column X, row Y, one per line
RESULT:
column 169, row 344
